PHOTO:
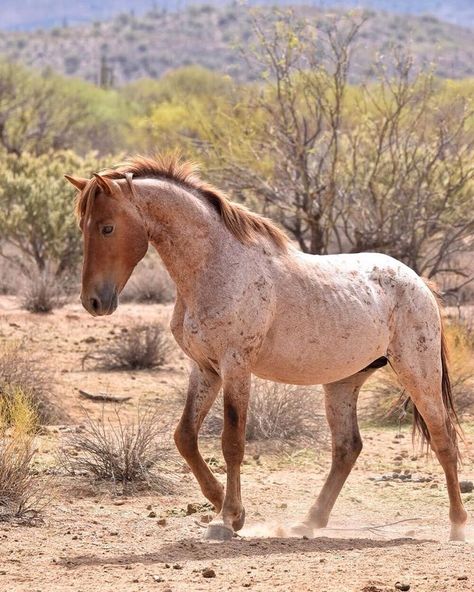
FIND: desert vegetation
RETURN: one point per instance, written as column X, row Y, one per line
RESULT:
column 21, row 494
column 136, row 348
column 127, row 453
column 25, row 384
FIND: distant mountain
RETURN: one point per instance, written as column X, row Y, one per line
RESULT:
column 131, row 46
column 33, row 14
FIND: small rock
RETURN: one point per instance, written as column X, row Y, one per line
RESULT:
column 191, row 509
column 161, row 522
column 207, row 572
column 177, row 566
column 434, row 486
column 462, row 577
column 158, row 578
column 152, row 515
column 206, row 518
column 466, row 486
column 402, row 587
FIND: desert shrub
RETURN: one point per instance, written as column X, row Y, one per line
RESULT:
column 9, row 277
column 21, row 495
column 124, row 453
column 22, row 372
column 150, row 285
column 388, row 403
column 141, row 347
column 278, row 412
column 42, row 293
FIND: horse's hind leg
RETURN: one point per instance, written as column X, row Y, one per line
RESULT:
column 203, row 388
column 341, row 411
column 419, row 370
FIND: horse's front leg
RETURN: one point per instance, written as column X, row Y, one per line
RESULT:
column 236, row 398
column 203, row 388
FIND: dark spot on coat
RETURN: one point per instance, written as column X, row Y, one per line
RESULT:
column 232, row 415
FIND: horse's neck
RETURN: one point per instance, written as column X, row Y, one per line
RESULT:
column 182, row 228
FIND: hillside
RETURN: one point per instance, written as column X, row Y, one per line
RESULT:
column 49, row 13
column 152, row 44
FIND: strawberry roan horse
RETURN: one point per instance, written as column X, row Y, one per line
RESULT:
column 249, row 303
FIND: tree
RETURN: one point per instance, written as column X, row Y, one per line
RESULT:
column 43, row 113
column 37, row 210
column 384, row 166
column 176, row 111
column 406, row 188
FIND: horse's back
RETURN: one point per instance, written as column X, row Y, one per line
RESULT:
column 335, row 314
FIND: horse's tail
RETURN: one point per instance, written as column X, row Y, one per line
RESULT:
column 452, row 419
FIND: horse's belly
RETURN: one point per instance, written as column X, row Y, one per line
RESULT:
column 307, row 360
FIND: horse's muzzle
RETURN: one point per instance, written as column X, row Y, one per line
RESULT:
column 102, row 301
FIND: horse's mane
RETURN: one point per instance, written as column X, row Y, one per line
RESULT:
column 242, row 223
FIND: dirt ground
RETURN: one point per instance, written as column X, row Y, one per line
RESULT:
column 92, row 538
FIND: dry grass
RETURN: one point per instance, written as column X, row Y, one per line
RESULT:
column 21, row 496
column 126, row 454
column 42, row 294
column 141, row 347
column 280, row 413
column 20, row 371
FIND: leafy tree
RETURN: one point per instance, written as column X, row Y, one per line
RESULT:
column 43, row 113
column 177, row 111
column 36, row 210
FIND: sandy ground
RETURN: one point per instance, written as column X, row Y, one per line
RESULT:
column 91, row 538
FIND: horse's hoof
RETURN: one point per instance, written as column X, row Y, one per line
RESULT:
column 458, row 533
column 302, row 529
column 239, row 522
column 218, row 532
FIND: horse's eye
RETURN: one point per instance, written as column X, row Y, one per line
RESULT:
column 107, row 229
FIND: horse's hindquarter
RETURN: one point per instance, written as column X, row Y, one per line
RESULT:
column 332, row 317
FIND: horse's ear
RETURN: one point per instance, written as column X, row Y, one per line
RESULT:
column 108, row 186
column 78, row 182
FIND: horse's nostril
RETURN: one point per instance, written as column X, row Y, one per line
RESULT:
column 95, row 304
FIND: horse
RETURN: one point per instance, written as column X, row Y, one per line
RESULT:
column 249, row 303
